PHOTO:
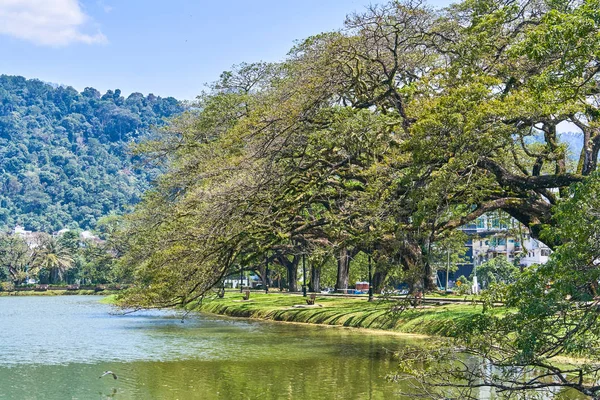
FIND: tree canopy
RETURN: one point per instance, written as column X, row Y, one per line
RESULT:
column 64, row 155
column 383, row 137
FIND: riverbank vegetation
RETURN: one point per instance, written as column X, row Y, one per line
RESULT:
column 440, row 320
column 383, row 139
column 67, row 258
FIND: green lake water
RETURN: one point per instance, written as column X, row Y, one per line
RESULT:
column 57, row 347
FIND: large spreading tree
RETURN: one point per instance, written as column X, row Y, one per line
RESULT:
column 383, row 137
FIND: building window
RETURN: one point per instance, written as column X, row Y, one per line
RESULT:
column 500, row 241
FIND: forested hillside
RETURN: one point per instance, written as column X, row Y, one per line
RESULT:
column 64, row 155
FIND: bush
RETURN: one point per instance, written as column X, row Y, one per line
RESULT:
column 464, row 287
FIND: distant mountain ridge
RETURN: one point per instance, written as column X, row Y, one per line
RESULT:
column 64, row 155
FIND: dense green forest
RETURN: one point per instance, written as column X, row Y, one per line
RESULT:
column 65, row 156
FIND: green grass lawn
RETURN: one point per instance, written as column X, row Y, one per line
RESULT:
column 445, row 320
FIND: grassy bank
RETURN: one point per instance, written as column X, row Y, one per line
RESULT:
column 446, row 320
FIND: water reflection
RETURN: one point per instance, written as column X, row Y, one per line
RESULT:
column 55, row 348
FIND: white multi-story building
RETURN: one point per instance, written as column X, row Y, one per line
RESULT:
column 536, row 253
column 524, row 250
column 495, row 234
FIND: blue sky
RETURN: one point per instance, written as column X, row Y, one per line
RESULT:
column 169, row 48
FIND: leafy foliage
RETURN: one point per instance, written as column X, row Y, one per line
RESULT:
column 15, row 256
column 64, row 155
column 67, row 258
column 382, row 138
column 498, row 270
column 54, row 257
column 552, row 311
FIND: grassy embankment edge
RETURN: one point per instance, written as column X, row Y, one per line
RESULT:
column 445, row 320
column 381, row 315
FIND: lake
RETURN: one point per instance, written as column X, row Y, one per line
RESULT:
column 57, row 347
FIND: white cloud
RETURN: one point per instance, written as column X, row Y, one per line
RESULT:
column 47, row 22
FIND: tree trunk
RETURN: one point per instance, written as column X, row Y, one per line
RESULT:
column 261, row 271
column 292, row 271
column 54, row 276
column 343, row 270
column 428, row 278
column 378, row 280
column 292, row 276
column 420, row 274
column 315, row 279
column 588, row 158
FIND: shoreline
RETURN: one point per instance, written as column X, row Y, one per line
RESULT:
column 204, row 309
column 426, row 330
column 370, row 331
column 379, row 317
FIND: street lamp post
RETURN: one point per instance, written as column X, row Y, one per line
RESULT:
column 241, row 279
column 475, row 284
column 370, row 280
column 266, row 274
column 303, row 275
column 447, row 270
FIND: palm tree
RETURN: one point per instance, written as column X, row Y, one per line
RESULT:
column 53, row 257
